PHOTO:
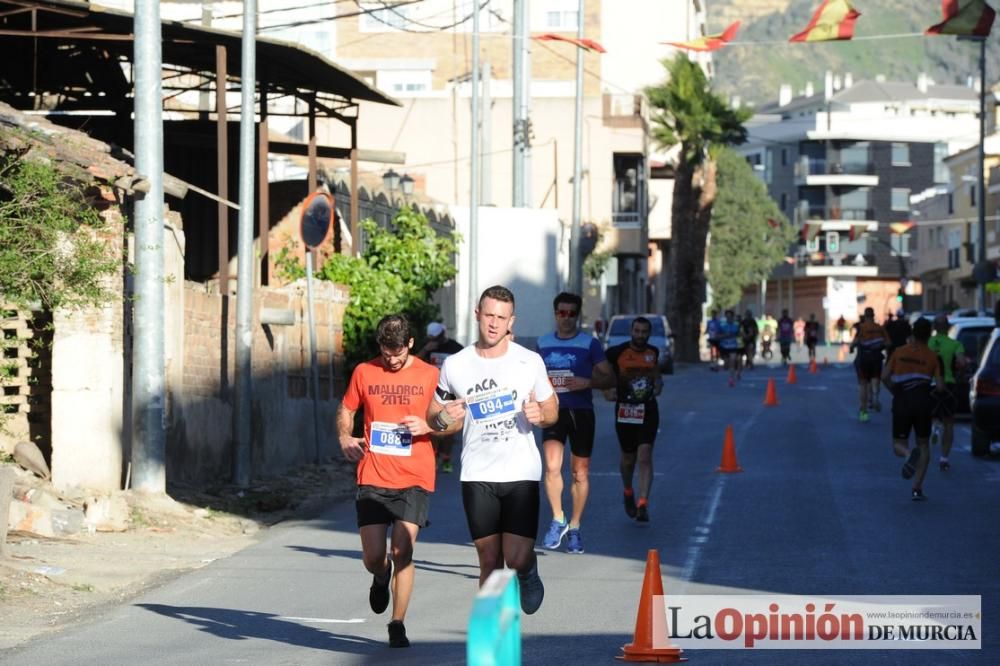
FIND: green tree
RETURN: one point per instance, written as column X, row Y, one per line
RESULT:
column 686, row 113
column 750, row 236
column 399, row 272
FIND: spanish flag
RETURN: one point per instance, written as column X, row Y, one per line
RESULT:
column 809, row 231
column 856, row 230
column 964, row 17
column 585, row 44
column 832, row 21
column 709, row 42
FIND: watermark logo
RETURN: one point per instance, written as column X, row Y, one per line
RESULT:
column 784, row 622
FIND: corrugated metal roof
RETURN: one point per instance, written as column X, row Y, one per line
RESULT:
column 285, row 68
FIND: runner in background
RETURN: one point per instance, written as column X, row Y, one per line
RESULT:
column 786, row 333
column 713, row 331
column 637, row 416
column 952, row 357
column 575, row 363
column 812, row 336
column 436, row 349
column 869, row 341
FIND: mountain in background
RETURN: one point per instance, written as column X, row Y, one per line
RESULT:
column 754, row 72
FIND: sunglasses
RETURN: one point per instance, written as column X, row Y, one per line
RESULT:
column 566, row 314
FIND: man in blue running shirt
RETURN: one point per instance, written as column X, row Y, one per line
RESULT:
column 575, row 364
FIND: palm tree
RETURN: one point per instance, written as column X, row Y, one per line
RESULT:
column 685, row 111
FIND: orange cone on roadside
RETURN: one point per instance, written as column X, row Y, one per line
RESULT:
column 771, row 397
column 651, row 621
column 729, row 463
column 812, row 367
column 791, row 374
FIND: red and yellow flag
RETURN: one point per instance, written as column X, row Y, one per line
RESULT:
column 809, row 231
column 832, row 21
column 856, row 230
column 900, row 227
column 709, row 42
column 964, row 17
column 585, row 44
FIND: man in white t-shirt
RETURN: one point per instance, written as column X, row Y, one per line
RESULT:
column 495, row 391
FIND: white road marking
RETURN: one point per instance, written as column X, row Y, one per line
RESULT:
column 322, row 620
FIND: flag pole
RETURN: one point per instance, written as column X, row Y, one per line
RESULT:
column 981, row 185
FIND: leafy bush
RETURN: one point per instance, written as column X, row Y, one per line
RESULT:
column 48, row 253
column 399, row 272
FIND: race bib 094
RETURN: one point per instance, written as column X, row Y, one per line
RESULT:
column 491, row 407
column 391, row 439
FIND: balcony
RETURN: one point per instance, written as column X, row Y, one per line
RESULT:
column 817, row 171
column 821, row 264
column 832, row 213
column 623, row 110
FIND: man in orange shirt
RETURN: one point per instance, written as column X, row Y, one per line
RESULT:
column 395, row 463
column 909, row 375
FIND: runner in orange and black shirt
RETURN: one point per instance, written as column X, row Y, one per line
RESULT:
column 869, row 341
column 395, row 463
column 637, row 417
column 911, row 372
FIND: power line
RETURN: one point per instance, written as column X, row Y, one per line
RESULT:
column 429, row 28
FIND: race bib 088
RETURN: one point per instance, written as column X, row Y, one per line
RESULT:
column 391, row 439
column 493, row 406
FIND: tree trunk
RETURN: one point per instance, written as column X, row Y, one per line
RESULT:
column 694, row 194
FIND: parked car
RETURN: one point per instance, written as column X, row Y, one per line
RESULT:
column 984, row 397
column 973, row 333
column 619, row 330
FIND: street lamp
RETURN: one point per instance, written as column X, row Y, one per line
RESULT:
column 392, row 181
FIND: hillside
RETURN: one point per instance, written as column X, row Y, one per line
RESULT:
column 755, row 71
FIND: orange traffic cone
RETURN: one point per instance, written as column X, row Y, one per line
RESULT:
column 791, row 374
column 771, row 397
column 813, row 369
column 729, row 463
column 651, row 621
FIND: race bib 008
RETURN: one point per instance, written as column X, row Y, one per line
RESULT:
column 390, row 439
column 634, row 414
column 491, row 407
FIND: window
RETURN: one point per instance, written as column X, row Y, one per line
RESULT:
column 900, row 199
column 784, row 157
column 379, row 18
column 784, row 203
column 558, row 15
column 941, row 174
column 973, row 186
column 404, row 82
column 901, row 154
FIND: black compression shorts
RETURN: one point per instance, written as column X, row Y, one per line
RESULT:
column 578, row 426
column 498, row 507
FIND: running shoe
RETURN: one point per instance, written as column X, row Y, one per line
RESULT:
column 642, row 514
column 378, row 594
column 910, row 466
column 877, row 406
column 630, row 505
column 574, row 543
column 532, row 590
column 557, row 530
column 447, row 467
column 917, row 495
column 397, row 635
column 944, row 465
column 863, row 416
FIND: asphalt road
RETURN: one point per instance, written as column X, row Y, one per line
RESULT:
column 819, row 509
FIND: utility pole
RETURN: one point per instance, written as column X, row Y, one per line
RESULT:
column 520, row 104
column 148, row 374
column 981, row 176
column 243, row 409
column 474, row 179
column 575, row 261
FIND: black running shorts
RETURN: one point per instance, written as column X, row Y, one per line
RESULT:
column 868, row 365
column 384, row 506
column 501, row 507
column 578, row 426
column 911, row 410
column 945, row 403
column 631, row 435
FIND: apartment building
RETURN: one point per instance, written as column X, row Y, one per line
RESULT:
column 947, row 231
column 421, row 54
column 842, row 164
